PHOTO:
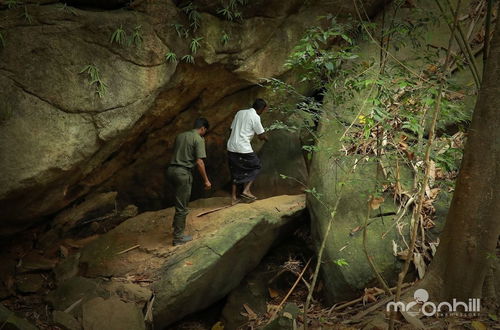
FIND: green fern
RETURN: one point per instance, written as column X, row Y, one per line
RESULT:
column 193, row 14
column 119, row 36
column 27, row 17
column 95, row 79
column 12, row 3
column 181, row 30
column 136, row 37
column 188, row 59
column 224, row 39
column 65, row 7
column 195, row 44
column 171, row 57
column 226, row 12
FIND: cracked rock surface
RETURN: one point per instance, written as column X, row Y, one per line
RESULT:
column 60, row 141
column 227, row 245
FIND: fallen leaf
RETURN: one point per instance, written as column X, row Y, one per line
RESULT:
column 477, row 325
column 419, row 264
column 273, row 293
column 394, row 248
column 432, row 172
column 64, row 251
column 375, row 202
column 250, row 313
column 356, row 229
column 218, row 326
column 188, row 263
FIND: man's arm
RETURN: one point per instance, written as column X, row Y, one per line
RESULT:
column 201, row 168
column 263, row 136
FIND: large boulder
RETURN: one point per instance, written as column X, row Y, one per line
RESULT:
column 138, row 258
column 60, row 140
column 335, row 177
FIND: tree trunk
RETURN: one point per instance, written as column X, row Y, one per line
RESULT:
column 472, row 227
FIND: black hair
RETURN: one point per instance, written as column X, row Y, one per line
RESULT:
column 259, row 104
column 201, row 122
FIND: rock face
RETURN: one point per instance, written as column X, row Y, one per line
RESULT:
column 138, row 258
column 60, row 140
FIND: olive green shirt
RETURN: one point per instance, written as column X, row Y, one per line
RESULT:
column 189, row 146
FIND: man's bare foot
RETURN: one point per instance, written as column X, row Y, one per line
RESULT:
column 235, row 201
column 248, row 195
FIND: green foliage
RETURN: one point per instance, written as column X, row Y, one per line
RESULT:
column 95, row 79
column 65, row 7
column 119, row 36
column 26, row 15
column 194, row 16
column 224, row 39
column 182, row 32
column 12, row 3
column 230, row 10
column 188, row 58
column 194, row 45
column 341, row 262
column 171, row 57
column 136, row 37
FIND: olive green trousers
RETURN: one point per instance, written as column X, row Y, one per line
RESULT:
column 181, row 179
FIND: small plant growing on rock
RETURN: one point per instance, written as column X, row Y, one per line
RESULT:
column 193, row 14
column 230, row 9
column 136, row 37
column 66, row 8
column 195, row 44
column 119, row 36
column 171, row 57
column 224, row 39
column 12, row 3
column 181, row 30
column 27, row 17
column 188, row 58
column 95, row 79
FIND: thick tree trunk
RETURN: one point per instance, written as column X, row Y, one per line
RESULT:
column 472, row 227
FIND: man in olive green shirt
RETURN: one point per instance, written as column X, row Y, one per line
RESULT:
column 189, row 150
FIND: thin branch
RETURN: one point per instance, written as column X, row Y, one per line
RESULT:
column 463, row 44
column 418, row 210
column 290, row 291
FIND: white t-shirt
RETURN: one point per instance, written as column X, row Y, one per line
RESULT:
column 245, row 125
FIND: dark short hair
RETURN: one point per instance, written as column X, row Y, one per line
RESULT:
column 201, row 122
column 259, row 104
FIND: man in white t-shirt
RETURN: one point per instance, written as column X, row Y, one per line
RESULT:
column 243, row 161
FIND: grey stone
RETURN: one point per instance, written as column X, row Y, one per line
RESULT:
column 68, row 267
column 9, row 321
column 29, row 283
column 65, row 320
column 73, row 290
column 111, row 314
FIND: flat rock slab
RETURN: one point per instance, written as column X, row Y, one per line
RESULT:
column 227, row 245
column 111, row 314
column 9, row 321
